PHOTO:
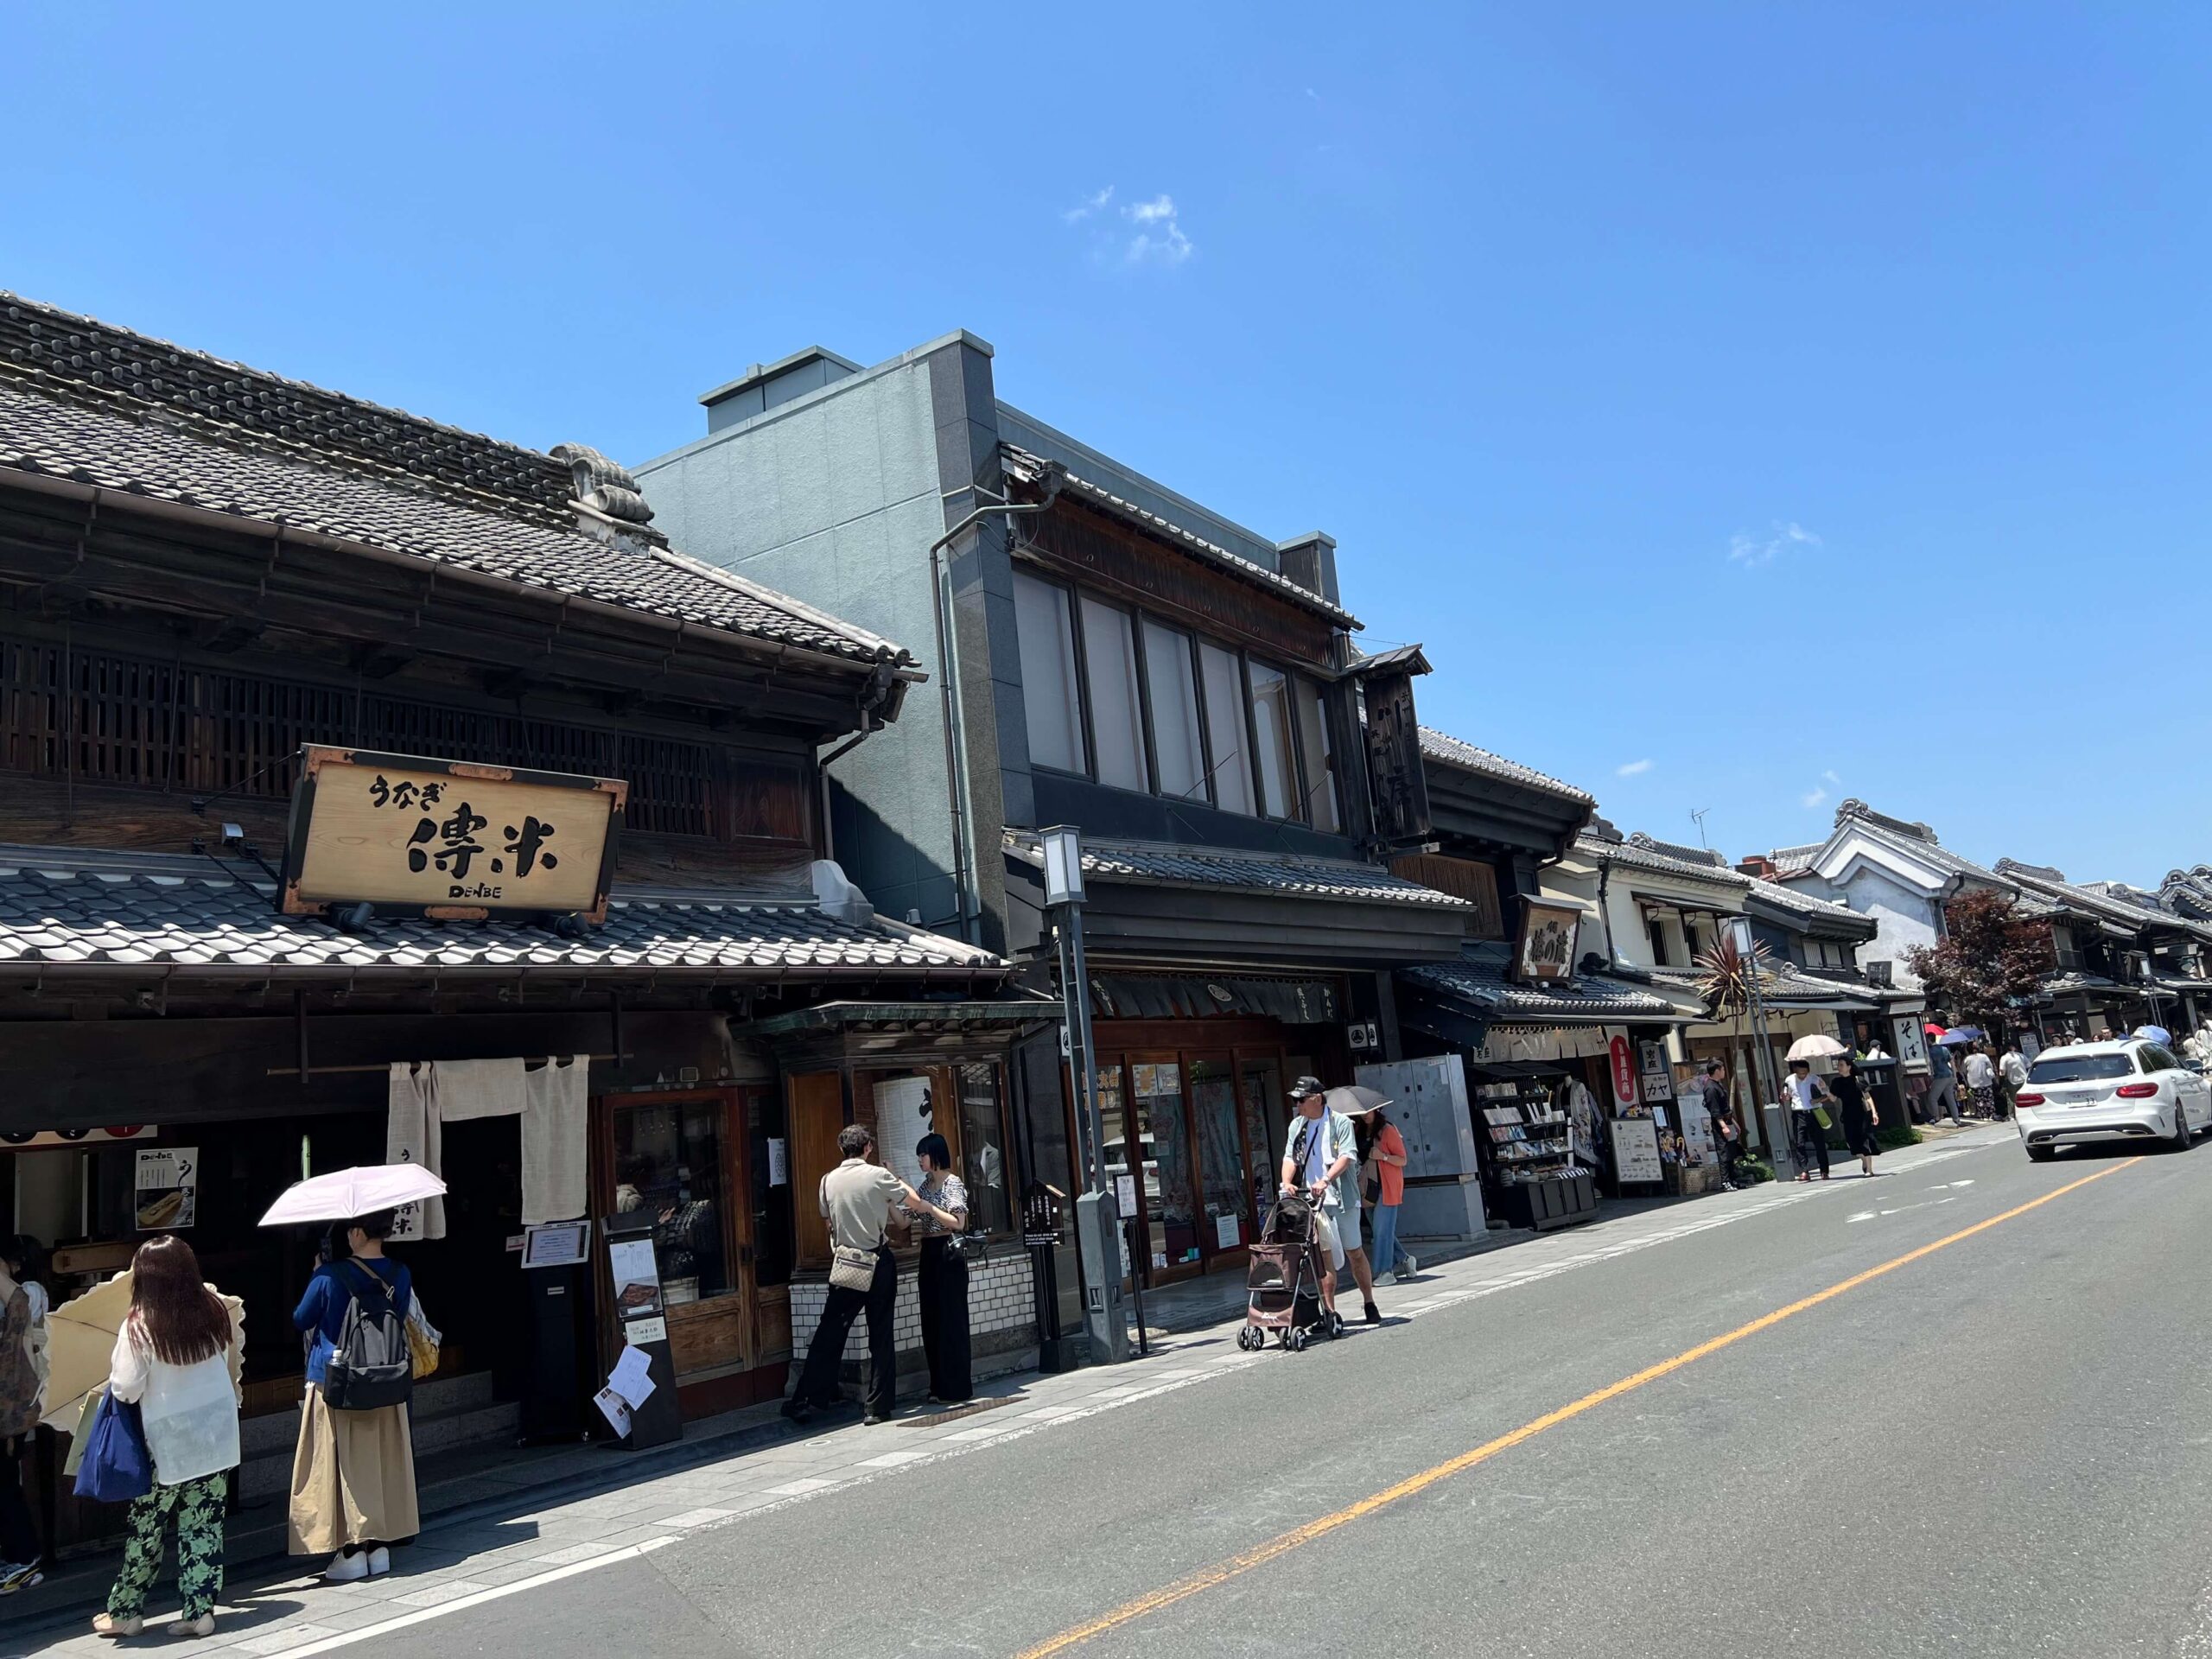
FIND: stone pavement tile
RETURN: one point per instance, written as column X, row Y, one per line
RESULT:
column 696, row 1517
column 799, row 1488
column 277, row 1641
column 892, row 1460
column 574, row 1554
column 504, row 1572
column 1051, row 1414
column 437, row 1595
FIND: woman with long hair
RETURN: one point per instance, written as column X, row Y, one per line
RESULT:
column 352, row 1471
column 940, row 1216
column 176, row 1359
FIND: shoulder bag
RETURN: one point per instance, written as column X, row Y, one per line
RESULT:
column 118, row 1467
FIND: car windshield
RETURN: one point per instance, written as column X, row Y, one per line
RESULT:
column 2080, row 1068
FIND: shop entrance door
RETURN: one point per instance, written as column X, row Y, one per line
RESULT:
column 1226, row 1226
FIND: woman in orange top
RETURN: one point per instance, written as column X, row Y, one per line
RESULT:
column 1388, row 1153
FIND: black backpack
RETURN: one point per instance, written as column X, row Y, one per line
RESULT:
column 371, row 1367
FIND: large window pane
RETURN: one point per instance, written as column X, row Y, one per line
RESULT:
column 1313, row 746
column 668, row 1161
column 1048, row 693
column 982, row 1148
column 1170, row 1203
column 1170, row 678
column 1109, row 651
column 1271, row 726
column 1221, row 1157
column 1232, row 765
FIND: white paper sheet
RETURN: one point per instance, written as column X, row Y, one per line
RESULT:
column 631, row 1379
column 615, row 1409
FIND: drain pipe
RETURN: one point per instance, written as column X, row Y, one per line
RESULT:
column 964, row 855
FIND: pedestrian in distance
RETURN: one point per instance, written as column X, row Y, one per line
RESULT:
column 176, row 1358
column 941, row 1278
column 354, row 1469
column 1322, row 1147
column 23, row 1329
column 1981, row 1082
column 2011, row 1077
column 856, row 1199
column 1807, row 1098
column 1348, row 1232
column 1385, row 1151
column 1861, row 1117
column 1942, row 1085
column 1711, row 1086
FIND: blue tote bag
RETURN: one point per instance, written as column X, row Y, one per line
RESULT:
column 117, row 1467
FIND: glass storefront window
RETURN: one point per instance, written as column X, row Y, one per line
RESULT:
column 668, row 1160
column 981, row 1149
column 1261, row 1100
column 1221, row 1156
column 1157, row 1088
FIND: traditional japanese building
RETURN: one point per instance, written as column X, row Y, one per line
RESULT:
column 206, row 571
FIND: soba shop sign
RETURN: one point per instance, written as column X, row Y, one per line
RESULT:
column 1545, row 951
column 417, row 836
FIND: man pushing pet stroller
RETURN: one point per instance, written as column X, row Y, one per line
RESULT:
column 1321, row 1148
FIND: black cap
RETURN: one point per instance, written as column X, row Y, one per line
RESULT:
column 1305, row 1088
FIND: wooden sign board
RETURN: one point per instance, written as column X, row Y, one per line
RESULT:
column 1545, row 951
column 447, row 839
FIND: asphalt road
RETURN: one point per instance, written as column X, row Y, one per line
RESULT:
column 1999, row 1448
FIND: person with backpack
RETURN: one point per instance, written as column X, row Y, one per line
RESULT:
column 353, row 1472
column 176, row 1359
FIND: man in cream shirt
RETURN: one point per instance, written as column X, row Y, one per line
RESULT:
column 857, row 1199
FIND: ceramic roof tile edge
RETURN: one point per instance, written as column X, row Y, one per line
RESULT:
column 1407, row 660
column 852, row 644
column 1805, row 904
column 24, row 319
column 1029, row 468
column 2125, row 911
column 1925, row 848
column 1701, row 856
column 1374, row 881
column 1452, row 751
column 1622, row 852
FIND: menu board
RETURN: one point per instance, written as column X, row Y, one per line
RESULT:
column 1636, row 1151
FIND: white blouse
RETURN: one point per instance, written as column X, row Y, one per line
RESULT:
column 190, row 1412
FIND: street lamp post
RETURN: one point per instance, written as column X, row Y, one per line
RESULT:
column 1097, row 1226
column 1739, row 934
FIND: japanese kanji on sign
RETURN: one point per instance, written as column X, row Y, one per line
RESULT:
column 445, row 838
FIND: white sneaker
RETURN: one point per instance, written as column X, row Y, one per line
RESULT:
column 1411, row 1267
column 379, row 1562
column 347, row 1569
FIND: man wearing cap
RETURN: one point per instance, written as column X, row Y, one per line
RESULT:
column 1321, row 1150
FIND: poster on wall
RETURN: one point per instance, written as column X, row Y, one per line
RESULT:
column 1697, row 1137
column 165, row 1189
column 1636, row 1151
column 636, row 1277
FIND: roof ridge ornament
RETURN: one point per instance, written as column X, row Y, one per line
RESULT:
column 611, row 504
column 1855, row 808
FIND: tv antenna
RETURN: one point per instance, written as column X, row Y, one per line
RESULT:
column 1698, row 813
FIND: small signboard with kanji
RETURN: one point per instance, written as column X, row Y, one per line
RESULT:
column 445, row 838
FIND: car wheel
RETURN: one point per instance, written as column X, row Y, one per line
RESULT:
column 2180, row 1139
column 2041, row 1154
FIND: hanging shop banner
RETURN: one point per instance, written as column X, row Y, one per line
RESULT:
column 165, row 1188
column 1658, row 1078
column 1545, row 951
column 1636, row 1151
column 417, row 836
column 1912, row 1042
column 1621, row 1057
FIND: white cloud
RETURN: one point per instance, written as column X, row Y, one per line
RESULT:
column 1160, row 238
column 1830, row 777
column 1751, row 551
column 1632, row 769
column 1095, row 202
column 1812, row 798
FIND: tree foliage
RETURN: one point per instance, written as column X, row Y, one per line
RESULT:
column 1991, row 962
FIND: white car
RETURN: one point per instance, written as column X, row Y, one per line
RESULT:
column 2131, row 1090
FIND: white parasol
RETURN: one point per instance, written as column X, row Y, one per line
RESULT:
column 1816, row 1048
column 345, row 1193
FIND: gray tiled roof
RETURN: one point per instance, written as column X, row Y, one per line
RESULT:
column 1030, row 468
column 62, row 908
column 108, row 436
column 2066, row 982
column 1452, row 752
column 1479, row 978
column 1786, row 983
column 2129, row 912
column 1649, row 858
column 1805, row 905
column 1789, row 860
column 1164, row 865
column 1916, row 839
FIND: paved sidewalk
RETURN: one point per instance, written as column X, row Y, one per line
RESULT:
column 493, row 1550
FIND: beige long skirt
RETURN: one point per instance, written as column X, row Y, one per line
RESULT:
column 353, row 1479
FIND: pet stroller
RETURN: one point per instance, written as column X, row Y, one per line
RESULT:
column 1284, row 1280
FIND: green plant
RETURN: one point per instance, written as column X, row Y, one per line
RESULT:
column 1751, row 1171
column 1889, row 1137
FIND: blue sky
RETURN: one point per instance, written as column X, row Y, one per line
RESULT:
column 1749, row 406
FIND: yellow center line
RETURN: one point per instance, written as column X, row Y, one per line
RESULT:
column 1237, row 1565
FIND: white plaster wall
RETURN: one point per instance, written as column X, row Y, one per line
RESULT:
column 1903, row 918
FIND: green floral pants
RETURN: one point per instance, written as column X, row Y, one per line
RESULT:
column 197, row 1506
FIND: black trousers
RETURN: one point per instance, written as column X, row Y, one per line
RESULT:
column 1727, row 1151
column 943, row 1282
column 18, row 1533
column 818, row 1383
column 1812, row 1141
